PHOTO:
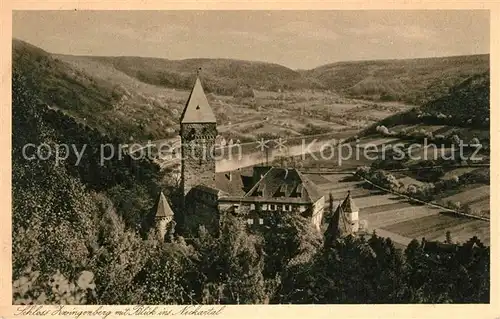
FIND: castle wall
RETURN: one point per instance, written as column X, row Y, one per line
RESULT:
column 317, row 212
column 354, row 220
column 202, row 210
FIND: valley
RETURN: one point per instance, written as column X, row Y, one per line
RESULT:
column 135, row 100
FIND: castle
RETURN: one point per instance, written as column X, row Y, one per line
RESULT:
column 254, row 194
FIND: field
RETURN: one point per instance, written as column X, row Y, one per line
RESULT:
column 396, row 218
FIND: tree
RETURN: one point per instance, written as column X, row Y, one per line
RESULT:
column 289, row 238
column 474, row 142
column 229, row 268
column 29, row 289
column 456, row 140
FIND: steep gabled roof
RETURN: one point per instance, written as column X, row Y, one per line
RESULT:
column 348, row 205
column 237, row 185
column 197, row 109
column 283, row 183
column 163, row 209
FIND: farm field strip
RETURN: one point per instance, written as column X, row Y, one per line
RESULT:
column 339, row 186
column 317, row 179
column 401, row 240
column 377, row 142
column 343, row 192
column 375, row 200
column 427, row 224
column 430, row 153
column 399, row 128
column 386, row 207
column 467, row 232
column 467, row 229
column 396, row 218
column 482, row 205
column 386, row 219
column 458, row 172
column 469, row 195
column 337, row 178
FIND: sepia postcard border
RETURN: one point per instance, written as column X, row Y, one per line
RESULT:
column 249, row 311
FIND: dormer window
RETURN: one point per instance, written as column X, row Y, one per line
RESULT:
column 282, row 191
column 299, row 190
column 260, row 190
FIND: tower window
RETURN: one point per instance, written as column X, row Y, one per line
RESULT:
column 250, row 221
column 261, row 221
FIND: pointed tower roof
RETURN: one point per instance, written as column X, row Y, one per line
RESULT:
column 197, row 109
column 348, row 205
column 338, row 226
column 339, row 222
column 163, row 209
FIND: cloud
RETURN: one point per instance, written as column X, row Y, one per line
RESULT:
column 305, row 30
column 395, row 31
column 248, row 35
column 152, row 34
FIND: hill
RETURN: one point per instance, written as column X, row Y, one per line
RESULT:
column 445, row 146
column 414, row 81
column 221, row 76
column 99, row 97
column 467, row 105
column 140, row 99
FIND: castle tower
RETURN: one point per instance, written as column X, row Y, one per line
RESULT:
column 198, row 133
column 164, row 218
column 338, row 225
column 352, row 212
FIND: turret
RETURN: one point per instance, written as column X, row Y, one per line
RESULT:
column 351, row 211
column 164, row 218
column 338, row 225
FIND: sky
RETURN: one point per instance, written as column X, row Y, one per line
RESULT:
column 296, row 39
